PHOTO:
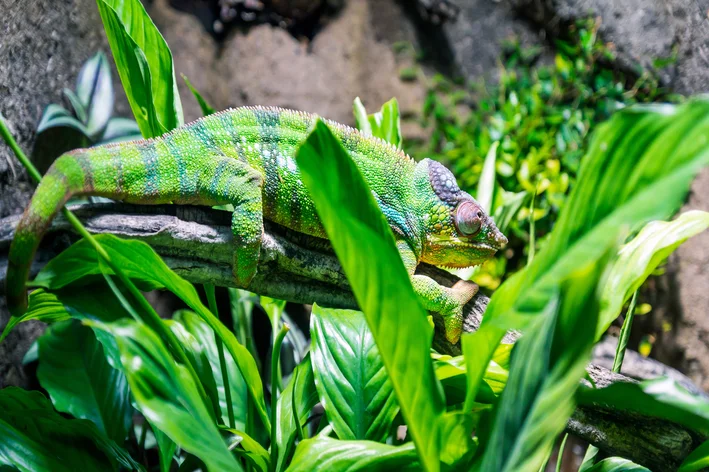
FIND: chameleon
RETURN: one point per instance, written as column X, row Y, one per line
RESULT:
column 246, row 157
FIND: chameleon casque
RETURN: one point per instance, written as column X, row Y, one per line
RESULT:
column 246, row 157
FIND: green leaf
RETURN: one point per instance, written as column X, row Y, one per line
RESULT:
column 35, row 437
column 139, row 262
column 76, row 104
column 166, row 448
column 206, row 108
column 660, row 398
column 293, row 408
column 356, row 226
column 698, row 459
column 384, row 124
column 350, row 376
column 166, row 394
column 205, row 336
column 94, row 89
column 638, row 168
column 361, row 118
column 486, row 185
column 119, row 130
column 93, row 302
column 641, row 256
column 324, row 453
column 74, row 370
column 617, row 464
column 251, row 450
column 144, row 63
column 55, row 116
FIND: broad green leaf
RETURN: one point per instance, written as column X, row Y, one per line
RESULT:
column 144, row 63
column 55, row 116
column 350, row 376
column 293, row 408
column 355, row 226
column 617, row 464
column 547, row 364
column 139, row 262
column 120, row 129
column 384, row 124
column 166, row 448
column 322, row 453
column 206, row 108
column 93, row 301
column 205, row 336
column 35, row 437
column 485, row 194
column 638, row 168
column 166, row 394
column 507, row 205
column 74, row 370
column 641, row 256
column 698, row 459
column 250, row 449
column 660, row 398
column 94, row 89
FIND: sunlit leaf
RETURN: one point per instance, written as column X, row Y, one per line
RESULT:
column 355, row 226
column 140, row 263
column 144, row 63
column 324, row 453
column 166, row 394
column 698, row 459
column 641, row 256
column 350, row 376
column 384, row 124
column 206, row 107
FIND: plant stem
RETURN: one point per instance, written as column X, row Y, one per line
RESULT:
column 275, row 358
column 153, row 319
column 561, row 452
column 624, row 334
column 212, row 300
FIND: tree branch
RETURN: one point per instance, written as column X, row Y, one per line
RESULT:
column 196, row 242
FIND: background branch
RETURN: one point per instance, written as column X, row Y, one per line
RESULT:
column 196, row 243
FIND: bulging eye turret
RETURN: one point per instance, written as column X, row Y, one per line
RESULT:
column 468, row 219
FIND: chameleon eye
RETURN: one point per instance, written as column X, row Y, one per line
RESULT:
column 468, row 219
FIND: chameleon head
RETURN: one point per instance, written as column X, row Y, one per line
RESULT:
column 458, row 233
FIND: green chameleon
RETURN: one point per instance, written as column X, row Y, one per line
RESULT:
column 246, row 157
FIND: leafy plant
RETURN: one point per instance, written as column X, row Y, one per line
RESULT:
column 538, row 118
column 89, row 122
column 197, row 390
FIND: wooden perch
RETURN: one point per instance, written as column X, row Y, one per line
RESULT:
column 196, row 243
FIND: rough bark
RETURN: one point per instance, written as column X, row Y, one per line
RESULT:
column 196, row 243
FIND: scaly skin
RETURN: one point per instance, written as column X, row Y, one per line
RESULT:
column 245, row 157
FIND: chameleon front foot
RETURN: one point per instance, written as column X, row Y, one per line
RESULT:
column 448, row 302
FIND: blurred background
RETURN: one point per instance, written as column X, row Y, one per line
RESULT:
column 527, row 79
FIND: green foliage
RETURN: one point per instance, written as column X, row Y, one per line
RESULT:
column 144, row 63
column 399, row 324
column 641, row 256
column 35, row 437
column 541, row 114
column 89, row 122
column 80, row 380
column 498, row 407
column 350, row 376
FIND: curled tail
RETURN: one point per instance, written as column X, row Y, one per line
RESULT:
column 128, row 171
column 64, row 179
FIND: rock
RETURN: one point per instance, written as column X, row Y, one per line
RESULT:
column 265, row 65
column 477, row 35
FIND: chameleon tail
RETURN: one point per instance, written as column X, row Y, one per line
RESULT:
column 96, row 171
column 60, row 183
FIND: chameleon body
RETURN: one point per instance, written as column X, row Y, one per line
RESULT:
column 246, row 157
